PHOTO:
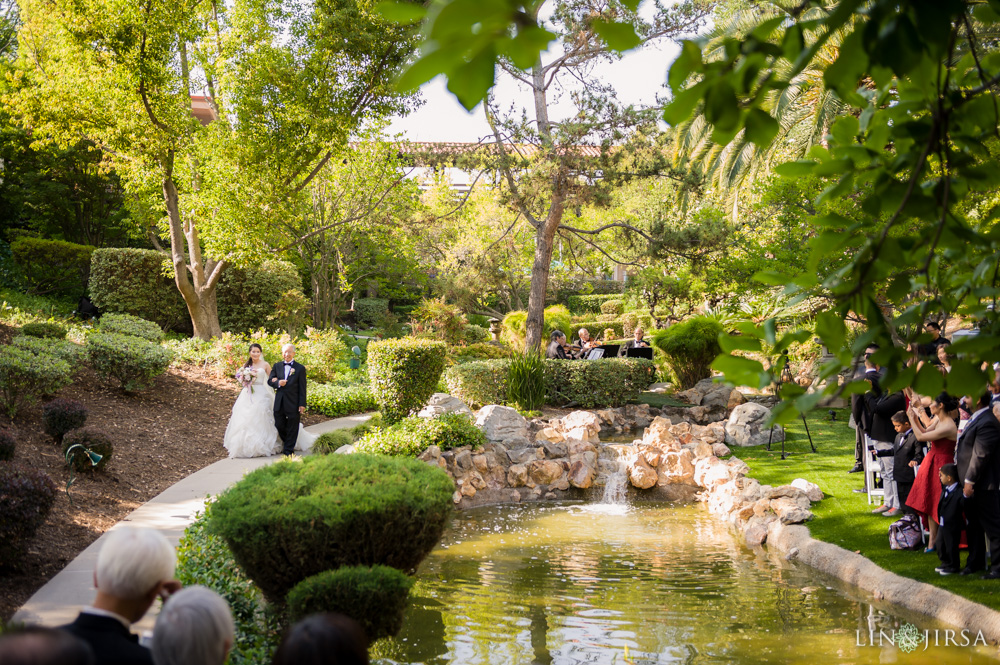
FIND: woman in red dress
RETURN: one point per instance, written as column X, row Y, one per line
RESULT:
column 942, row 431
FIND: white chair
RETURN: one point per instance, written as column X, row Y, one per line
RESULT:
column 873, row 471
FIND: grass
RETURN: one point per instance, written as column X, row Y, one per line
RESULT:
column 660, row 400
column 844, row 517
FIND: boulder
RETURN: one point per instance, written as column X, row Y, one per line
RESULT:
column 652, row 455
column 738, row 467
column 677, row 468
column 755, row 533
column 463, row 459
column 481, row 462
column 660, row 388
column 580, row 447
column 554, row 450
column 550, row 434
column 517, row 475
column 431, row 454
column 581, row 474
column 501, row 423
column 544, row 472
column 346, row 449
column 812, row 490
column 582, row 425
column 720, row 449
column 523, row 455
column 789, row 511
column 745, row 426
column 442, row 403
column 703, row 450
column 640, row 474
column 660, row 433
column 735, row 399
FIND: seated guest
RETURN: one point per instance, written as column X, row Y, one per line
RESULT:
column 34, row 645
column 637, row 342
column 908, row 453
column 584, row 343
column 950, row 521
column 555, row 350
column 134, row 567
column 195, row 627
column 323, row 639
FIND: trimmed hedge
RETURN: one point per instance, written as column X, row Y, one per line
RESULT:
column 329, row 442
column 474, row 334
column 375, row 597
column 126, row 324
column 597, row 328
column 63, row 415
column 25, row 376
column 294, row 519
column 336, row 401
column 137, row 282
column 370, row 311
column 92, row 439
column 484, row 351
column 53, row 266
column 403, row 374
column 63, row 349
column 613, row 307
column 479, row 383
column 26, row 497
column 44, row 330
column 247, row 296
column 411, row 436
column 690, row 347
column 554, row 317
column 131, row 361
column 590, row 303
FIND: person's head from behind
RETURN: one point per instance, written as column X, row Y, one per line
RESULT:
column 34, row 645
column 934, row 329
column 900, row 421
column 948, row 475
column 584, row 335
column 323, row 639
column 133, row 567
column 195, row 627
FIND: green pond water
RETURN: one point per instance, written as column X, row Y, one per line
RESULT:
column 658, row 583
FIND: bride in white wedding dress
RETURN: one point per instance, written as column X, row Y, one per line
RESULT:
column 251, row 431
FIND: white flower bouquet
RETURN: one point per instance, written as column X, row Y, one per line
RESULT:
column 245, row 377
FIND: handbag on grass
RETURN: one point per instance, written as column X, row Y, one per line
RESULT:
column 905, row 534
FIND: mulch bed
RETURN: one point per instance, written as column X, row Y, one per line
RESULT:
column 161, row 436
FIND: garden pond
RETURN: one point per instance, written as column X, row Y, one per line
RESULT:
column 642, row 583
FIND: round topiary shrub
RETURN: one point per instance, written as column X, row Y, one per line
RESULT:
column 612, row 307
column 44, row 330
column 25, row 376
column 63, row 415
column 403, row 374
column 630, row 320
column 690, row 347
column 295, row 519
column 26, row 497
column 126, row 324
column 374, row 597
column 8, row 444
column 93, row 440
column 131, row 361
column 329, row 442
column 63, row 349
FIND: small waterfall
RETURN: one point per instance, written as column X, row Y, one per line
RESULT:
column 615, row 458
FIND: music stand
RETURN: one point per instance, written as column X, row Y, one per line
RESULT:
column 639, row 352
column 786, row 376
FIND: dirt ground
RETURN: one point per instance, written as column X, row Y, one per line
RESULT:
column 161, row 436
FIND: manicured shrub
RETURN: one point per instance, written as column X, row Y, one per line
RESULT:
column 411, row 436
column 329, row 442
column 613, row 307
column 59, row 348
column 629, row 322
column 597, row 383
column 247, row 295
column 323, row 352
column 91, row 439
column 337, row 401
column 8, row 444
column 370, row 311
column 479, row 383
column 138, row 282
column 473, row 334
column 690, row 347
column 44, row 330
column 63, row 415
column 484, row 351
column 441, row 320
column 25, row 376
column 589, row 303
column 26, row 497
column 131, row 361
column 526, row 381
column 295, row 519
column 126, row 324
column 52, row 266
column 403, row 374
column 375, row 597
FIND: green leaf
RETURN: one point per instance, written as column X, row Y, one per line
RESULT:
column 686, row 63
column 523, row 49
column 739, row 371
column 679, row 110
column 730, row 343
column 471, row 81
column 771, row 278
column 400, row 12
column 796, row 169
column 831, row 329
column 425, row 68
column 966, row 378
column 722, row 108
column 929, row 380
column 618, row 36
column 761, row 128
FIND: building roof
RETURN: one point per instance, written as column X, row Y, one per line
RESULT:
column 202, row 109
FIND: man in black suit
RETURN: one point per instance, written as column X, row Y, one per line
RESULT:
column 134, row 567
column 288, row 379
column 637, row 342
column 907, row 454
column 978, row 460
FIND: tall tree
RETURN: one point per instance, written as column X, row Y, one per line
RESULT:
column 287, row 81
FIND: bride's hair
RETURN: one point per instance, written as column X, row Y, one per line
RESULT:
column 250, row 360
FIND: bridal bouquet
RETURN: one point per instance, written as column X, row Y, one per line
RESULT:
column 245, row 377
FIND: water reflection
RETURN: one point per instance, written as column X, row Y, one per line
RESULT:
column 578, row 584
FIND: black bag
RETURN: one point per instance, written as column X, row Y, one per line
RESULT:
column 906, row 534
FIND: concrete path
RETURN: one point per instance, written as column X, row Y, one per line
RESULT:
column 59, row 601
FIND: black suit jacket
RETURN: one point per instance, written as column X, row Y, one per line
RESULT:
column 950, row 509
column 881, row 408
column 906, row 450
column 111, row 641
column 978, row 452
column 292, row 395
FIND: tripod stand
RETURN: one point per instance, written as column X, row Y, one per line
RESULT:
column 783, row 377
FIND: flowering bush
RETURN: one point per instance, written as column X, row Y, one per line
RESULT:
column 63, row 415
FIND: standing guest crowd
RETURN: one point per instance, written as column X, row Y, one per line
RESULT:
column 939, row 459
column 135, row 567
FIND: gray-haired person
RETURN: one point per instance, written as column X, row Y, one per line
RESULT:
column 195, row 627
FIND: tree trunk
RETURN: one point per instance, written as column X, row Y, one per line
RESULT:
column 544, row 244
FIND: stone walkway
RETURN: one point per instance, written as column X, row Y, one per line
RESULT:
column 59, row 601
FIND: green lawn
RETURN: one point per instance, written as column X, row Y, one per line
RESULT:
column 659, row 400
column 844, row 517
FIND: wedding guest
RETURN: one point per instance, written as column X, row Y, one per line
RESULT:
column 908, row 453
column 870, row 372
column 978, row 462
column 34, row 645
column 950, row 521
column 941, row 430
column 584, row 343
column 323, row 639
column 195, row 627
column 134, row 567
column 929, row 350
column 637, row 342
column 556, row 350
column 881, row 407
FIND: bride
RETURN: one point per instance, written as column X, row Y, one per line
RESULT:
column 251, row 431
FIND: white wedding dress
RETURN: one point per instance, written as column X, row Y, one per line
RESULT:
column 251, row 431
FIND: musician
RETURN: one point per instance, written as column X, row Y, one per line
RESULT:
column 583, row 345
column 555, row 350
column 637, row 342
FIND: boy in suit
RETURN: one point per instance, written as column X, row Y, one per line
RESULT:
column 907, row 454
column 949, row 532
